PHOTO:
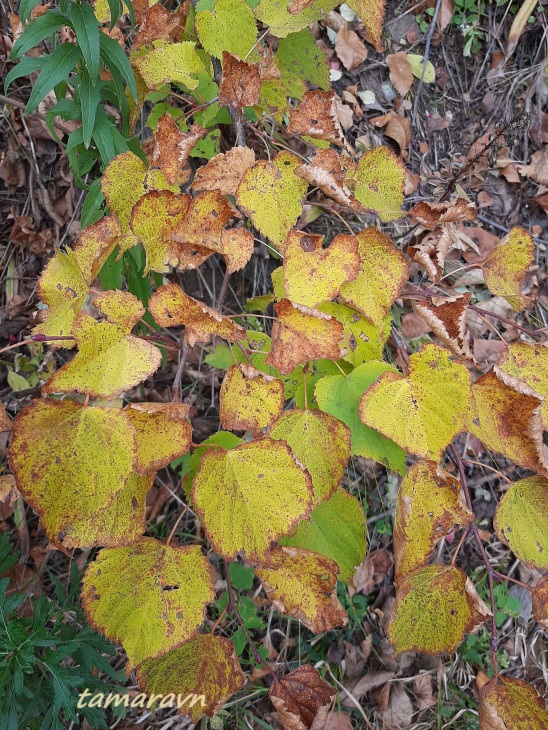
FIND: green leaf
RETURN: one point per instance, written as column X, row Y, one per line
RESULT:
column 86, row 27
column 229, row 27
column 36, row 32
column 91, row 210
column 90, row 97
column 25, row 67
column 241, row 576
column 108, row 139
column 114, row 57
column 340, row 396
column 56, row 69
column 25, row 9
column 304, row 59
column 115, row 7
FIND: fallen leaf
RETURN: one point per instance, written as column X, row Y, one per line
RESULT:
column 302, row 699
column 399, row 713
column 350, row 48
column 401, row 76
column 431, row 215
column 396, row 127
column 537, row 170
column 373, row 570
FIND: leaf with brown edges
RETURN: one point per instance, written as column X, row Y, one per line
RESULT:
column 172, row 147
column 316, row 117
column 511, row 704
column 302, row 699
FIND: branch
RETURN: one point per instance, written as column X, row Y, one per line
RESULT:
column 176, row 387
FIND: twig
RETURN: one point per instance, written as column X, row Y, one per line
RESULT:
column 183, row 513
column 35, row 338
column 425, row 59
column 176, row 387
column 224, row 290
column 490, row 572
column 20, row 105
column 485, row 313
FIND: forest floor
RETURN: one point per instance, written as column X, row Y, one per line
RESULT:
column 435, row 130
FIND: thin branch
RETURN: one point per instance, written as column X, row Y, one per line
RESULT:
column 21, row 105
column 425, row 59
column 224, row 291
column 490, row 572
column 176, row 387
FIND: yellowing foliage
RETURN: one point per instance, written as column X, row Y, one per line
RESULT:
column 505, row 266
column 378, row 183
column 249, row 399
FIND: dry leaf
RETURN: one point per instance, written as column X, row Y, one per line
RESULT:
column 224, row 172
column 401, row 75
column 399, row 713
column 350, row 49
column 397, row 128
column 302, row 699
column 325, row 172
column 431, row 215
column 317, row 117
column 240, row 83
column 172, row 147
column 538, row 169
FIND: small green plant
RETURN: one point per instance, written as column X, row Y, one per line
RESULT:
column 45, row 660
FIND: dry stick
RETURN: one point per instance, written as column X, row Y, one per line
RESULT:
column 485, row 313
column 34, row 338
column 20, row 105
column 183, row 513
column 176, row 387
column 223, row 292
column 425, row 59
column 461, row 543
column 490, row 572
column 232, row 608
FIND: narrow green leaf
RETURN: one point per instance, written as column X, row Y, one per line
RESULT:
column 86, row 27
column 58, row 66
column 115, row 7
column 91, row 210
column 36, row 32
column 25, row 67
column 75, row 144
column 114, row 56
column 108, row 139
column 25, row 9
column 90, row 97
column 110, row 275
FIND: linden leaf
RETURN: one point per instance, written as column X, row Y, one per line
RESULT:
column 224, row 172
column 539, row 594
column 171, row 307
column 435, row 607
column 275, row 14
column 361, row 339
column 64, row 283
column 340, row 396
column 383, row 273
column 321, row 443
column 303, row 584
column 154, row 219
column 424, row 411
column 109, row 359
column 505, row 266
column 160, row 24
column 62, row 489
column 511, row 704
column 149, row 597
column 329, row 268
column 428, row 507
column 446, row 317
column 229, row 26
column 316, row 117
column 521, row 520
column 172, row 63
column 162, row 432
column 270, row 194
column 205, row 667
column 379, row 182
column 524, row 367
column 125, row 180
column 336, row 529
column 302, row 699
column 507, row 422
column 172, row 147
column 240, row 83
column 248, row 497
column 300, row 334
column 237, row 246
column 371, row 13
column 303, row 58
column 257, row 345
column 207, row 215
column 325, row 171
column 432, row 215
column 249, row 399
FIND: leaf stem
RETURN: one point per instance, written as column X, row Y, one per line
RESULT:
column 490, row 572
column 176, row 387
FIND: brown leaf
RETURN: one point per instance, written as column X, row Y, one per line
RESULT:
column 399, row 713
column 431, row 252
column 422, row 685
column 172, row 147
column 302, row 699
column 397, row 128
column 371, row 681
column 431, row 215
column 434, row 123
column 537, row 170
column 225, row 171
column 338, row 721
column 325, row 172
column 159, row 23
column 350, row 48
column 445, row 14
column 373, row 570
column 482, row 239
column 446, row 317
column 316, row 117
column 297, row 6
column 202, row 227
column 240, row 83
column 401, row 75
column 412, row 326
column 487, row 352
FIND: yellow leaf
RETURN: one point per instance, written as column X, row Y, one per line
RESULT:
column 300, row 334
column 61, row 488
column 539, row 594
column 511, row 704
column 336, row 529
column 149, row 597
column 505, row 267
column 204, row 669
column 435, row 607
column 249, row 496
column 171, row 307
column 425, row 411
column 507, row 422
column 379, row 181
column 371, row 13
column 383, row 273
column 171, row 63
column 65, row 281
column 524, row 367
column 428, row 507
column 249, row 399
column 521, row 520
column 282, row 22
column 303, row 584
column 162, row 432
column 229, row 27
column 362, row 340
column 321, row 443
column 154, row 219
column 417, row 65
column 225, row 171
column 306, row 262
column 109, row 359
column 270, row 193
column 172, row 147
column 125, row 180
